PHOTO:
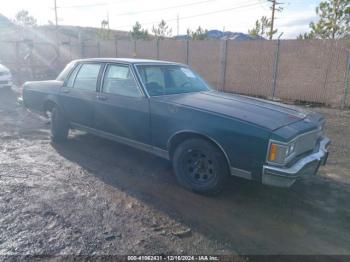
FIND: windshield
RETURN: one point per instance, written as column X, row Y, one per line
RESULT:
column 170, row 79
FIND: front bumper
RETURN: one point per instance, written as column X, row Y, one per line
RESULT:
column 5, row 83
column 308, row 165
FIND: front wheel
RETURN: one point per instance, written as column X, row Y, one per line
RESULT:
column 59, row 126
column 200, row 166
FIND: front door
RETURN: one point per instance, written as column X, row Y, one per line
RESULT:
column 78, row 94
column 121, row 109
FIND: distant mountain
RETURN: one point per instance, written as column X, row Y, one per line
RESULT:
column 217, row 34
column 11, row 31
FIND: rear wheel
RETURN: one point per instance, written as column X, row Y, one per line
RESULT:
column 59, row 126
column 200, row 166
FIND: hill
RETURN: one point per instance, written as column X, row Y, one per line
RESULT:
column 220, row 35
column 74, row 34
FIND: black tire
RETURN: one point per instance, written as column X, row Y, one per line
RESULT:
column 59, row 126
column 200, row 166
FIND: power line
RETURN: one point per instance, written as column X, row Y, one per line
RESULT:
column 201, row 14
column 88, row 5
column 133, row 13
column 165, row 8
column 262, row 5
column 140, row 12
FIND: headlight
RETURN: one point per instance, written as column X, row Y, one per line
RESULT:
column 278, row 152
column 290, row 149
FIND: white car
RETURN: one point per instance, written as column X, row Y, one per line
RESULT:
column 5, row 77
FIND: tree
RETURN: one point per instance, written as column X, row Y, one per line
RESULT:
column 262, row 28
column 305, row 36
column 23, row 18
column 138, row 32
column 162, row 30
column 334, row 20
column 199, row 34
column 104, row 31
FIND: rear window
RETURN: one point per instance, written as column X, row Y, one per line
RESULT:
column 87, row 76
column 62, row 76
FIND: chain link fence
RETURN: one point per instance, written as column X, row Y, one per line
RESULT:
column 312, row 71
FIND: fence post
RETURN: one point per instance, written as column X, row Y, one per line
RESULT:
column 187, row 51
column 134, row 54
column 223, row 64
column 275, row 69
column 31, row 60
column 18, row 67
column 82, row 45
column 82, row 49
column 157, row 48
column 98, row 48
column 346, row 83
column 70, row 49
column 116, row 47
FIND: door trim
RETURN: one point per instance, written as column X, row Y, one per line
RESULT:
column 122, row 140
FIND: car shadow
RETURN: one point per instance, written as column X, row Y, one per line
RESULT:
column 248, row 217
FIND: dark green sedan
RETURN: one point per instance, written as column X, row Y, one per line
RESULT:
column 167, row 109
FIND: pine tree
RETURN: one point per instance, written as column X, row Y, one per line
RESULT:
column 162, row 30
column 138, row 32
column 261, row 28
column 334, row 20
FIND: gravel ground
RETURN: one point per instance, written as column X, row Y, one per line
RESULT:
column 92, row 196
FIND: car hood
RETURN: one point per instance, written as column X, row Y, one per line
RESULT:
column 270, row 115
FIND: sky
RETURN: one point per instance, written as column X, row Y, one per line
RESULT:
column 228, row 15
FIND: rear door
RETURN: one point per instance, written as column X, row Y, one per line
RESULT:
column 79, row 92
column 122, row 109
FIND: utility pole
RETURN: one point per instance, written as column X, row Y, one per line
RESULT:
column 55, row 7
column 177, row 24
column 108, row 20
column 272, row 17
column 274, row 8
column 57, row 49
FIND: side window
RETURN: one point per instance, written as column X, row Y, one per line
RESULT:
column 63, row 75
column 72, row 76
column 154, row 77
column 119, row 80
column 178, row 78
column 86, row 78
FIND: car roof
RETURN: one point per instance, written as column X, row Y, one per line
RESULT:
column 128, row 60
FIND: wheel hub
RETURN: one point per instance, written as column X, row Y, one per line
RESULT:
column 200, row 168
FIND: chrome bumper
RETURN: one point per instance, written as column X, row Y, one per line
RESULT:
column 286, row 176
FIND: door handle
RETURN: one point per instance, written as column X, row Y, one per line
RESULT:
column 102, row 98
column 64, row 90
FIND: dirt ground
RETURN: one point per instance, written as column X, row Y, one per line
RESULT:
column 94, row 196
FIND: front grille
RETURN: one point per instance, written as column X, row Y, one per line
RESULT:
column 304, row 145
column 306, row 142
